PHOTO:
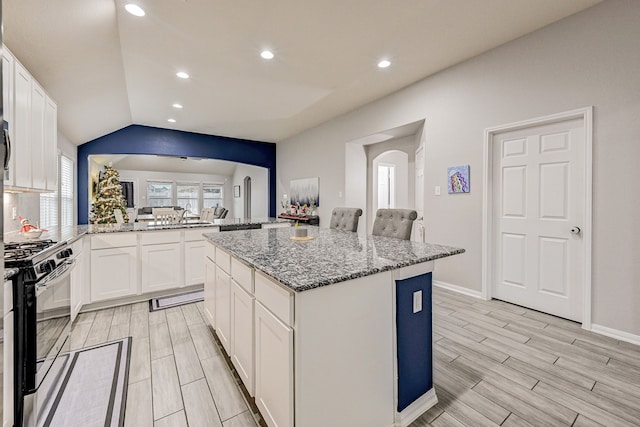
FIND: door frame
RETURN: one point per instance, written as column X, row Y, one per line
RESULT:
column 586, row 114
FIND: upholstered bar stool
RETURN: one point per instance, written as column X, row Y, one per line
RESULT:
column 345, row 219
column 394, row 223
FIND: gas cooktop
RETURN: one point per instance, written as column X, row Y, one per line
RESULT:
column 27, row 251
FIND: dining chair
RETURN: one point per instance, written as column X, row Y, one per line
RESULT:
column 345, row 219
column 118, row 214
column 394, row 223
column 166, row 215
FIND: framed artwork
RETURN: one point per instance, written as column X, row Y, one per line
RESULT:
column 236, row 191
column 305, row 191
column 458, row 179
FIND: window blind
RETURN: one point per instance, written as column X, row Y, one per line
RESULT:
column 66, row 191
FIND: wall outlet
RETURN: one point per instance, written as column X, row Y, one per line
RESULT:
column 436, row 190
column 417, row 301
column 14, row 213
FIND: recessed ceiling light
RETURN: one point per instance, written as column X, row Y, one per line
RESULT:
column 134, row 9
column 176, row 105
column 384, row 63
column 182, row 75
column 267, row 54
column 171, row 120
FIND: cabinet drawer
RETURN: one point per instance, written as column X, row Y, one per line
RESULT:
column 274, row 297
column 223, row 260
column 195, row 235
column 159, row 237
column 210, row 251
column 113, row 240
column 242, row 274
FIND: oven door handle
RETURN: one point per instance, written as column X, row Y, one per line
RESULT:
column 60, row 273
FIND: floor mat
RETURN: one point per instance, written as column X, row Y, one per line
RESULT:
column 175, row 300
column 93, row 391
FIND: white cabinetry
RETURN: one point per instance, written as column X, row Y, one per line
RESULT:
column 78, row 278
column 241, row 354
column 210, row 291
column 33, row 129
column 194, row 248
column 20, row 145
column 223, row 307
column 50, row 145
column 114, row 266
column 38, row 102
column 161, row 260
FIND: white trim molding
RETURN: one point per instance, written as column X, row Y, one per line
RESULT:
column 614, row 333
column 458, row 289
column 586, row 114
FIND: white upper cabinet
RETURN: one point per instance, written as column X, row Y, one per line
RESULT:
column 33, row 129
column 21, row 144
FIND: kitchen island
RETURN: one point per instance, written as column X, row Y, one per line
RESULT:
column 334, row 330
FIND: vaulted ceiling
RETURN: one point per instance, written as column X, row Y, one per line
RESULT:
column 108, row 69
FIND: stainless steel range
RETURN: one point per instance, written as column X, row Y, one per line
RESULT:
column 42, row 321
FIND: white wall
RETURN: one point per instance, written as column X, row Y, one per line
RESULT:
column 587, row 59
column 259, row 191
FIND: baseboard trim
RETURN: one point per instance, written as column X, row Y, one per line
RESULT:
column 614, row 333
column 417, row 408
column 458, row 289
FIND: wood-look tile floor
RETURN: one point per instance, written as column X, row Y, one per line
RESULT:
column 494, row 364
column 500, row 364
column 177, row 374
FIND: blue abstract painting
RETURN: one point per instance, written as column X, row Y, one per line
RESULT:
column 458, row 179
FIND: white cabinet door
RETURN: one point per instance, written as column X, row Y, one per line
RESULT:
column 223, row 308
column 274, row 368
column 242, row 334
column 77, row 284
column 7, row 101
column 161, row 267
column 210, row 291
column 21, row 145
column 38, row 101
column 114, row 273
column 193, row 265
column 50, row 144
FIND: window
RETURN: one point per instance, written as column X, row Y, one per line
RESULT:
column 188, row 196
column 212, row 195
column 58, row 211
column 49, row 210
column 160, row 194
column 66, row 191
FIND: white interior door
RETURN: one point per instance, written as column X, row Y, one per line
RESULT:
column 417, row 234
column 538, row 217
column 386, row 186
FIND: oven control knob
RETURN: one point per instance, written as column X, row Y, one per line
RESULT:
column 45, row 267
column 69, row 252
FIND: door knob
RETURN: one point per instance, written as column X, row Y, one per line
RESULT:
column 575, row 230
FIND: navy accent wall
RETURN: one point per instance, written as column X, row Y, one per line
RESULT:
column 137, row 139
column 413, row 335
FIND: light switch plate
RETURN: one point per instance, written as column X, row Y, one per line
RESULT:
column 436, row 190
column 417, row 301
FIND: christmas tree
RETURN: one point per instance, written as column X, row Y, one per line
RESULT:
column 109, row 198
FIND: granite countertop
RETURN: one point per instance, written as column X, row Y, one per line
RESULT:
column 332, row 256
column 151, row 226
column 65, row 234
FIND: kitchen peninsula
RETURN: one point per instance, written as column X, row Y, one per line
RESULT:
column 334, row 330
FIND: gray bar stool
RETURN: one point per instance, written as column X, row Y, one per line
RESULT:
column 345, row 219
column 394, row 223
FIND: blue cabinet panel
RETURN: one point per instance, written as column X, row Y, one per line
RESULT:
column 415, row 373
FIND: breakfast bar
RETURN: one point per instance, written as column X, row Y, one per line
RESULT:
column 333, row 330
